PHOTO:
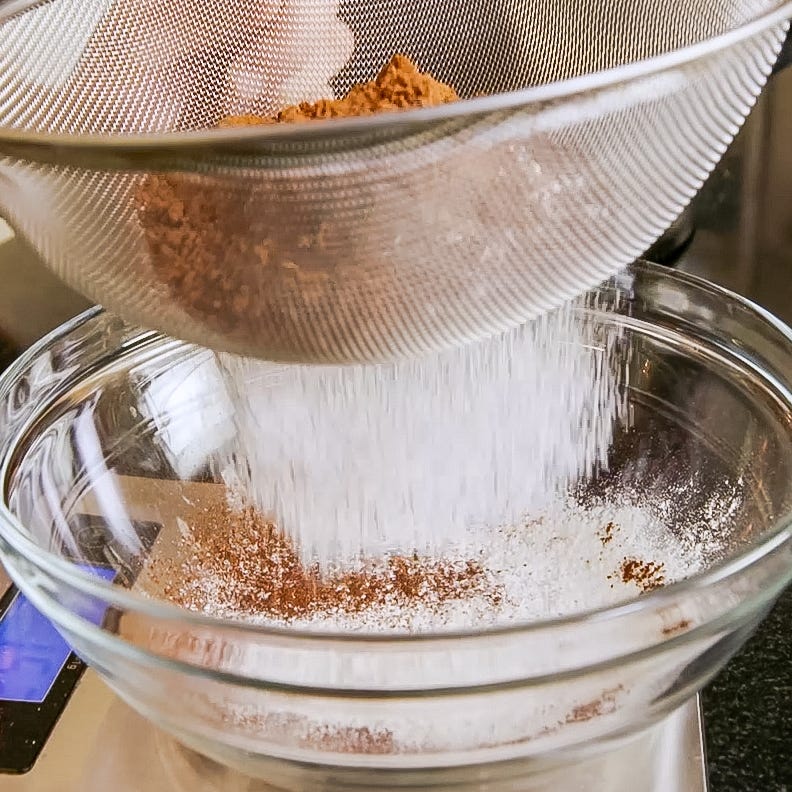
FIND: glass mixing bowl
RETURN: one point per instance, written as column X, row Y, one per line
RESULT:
column 109, row 438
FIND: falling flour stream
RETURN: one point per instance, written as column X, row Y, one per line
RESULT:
column 359, row 461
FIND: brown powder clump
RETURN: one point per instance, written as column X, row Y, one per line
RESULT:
column 399, row 86
column 647, row 575
column 604, row 705
column 606, row 535
column 674, row 629
column 237, row 563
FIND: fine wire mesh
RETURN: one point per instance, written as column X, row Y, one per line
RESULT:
column 367, row 247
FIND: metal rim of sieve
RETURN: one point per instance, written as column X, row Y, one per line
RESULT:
column 115, row 152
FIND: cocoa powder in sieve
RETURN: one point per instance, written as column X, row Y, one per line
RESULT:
column 217, row 243
column 399, row 86
column 241, row 564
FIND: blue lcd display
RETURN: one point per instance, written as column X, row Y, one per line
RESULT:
column 32, row 652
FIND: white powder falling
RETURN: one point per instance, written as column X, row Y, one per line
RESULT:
column 470, row 455
column 364, row 460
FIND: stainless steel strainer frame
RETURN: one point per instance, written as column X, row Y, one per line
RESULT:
column 145, row 150
column 459, row 221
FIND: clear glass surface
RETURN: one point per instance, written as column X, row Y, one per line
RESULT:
column 106, row 419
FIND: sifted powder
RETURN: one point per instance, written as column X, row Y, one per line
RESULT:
column 252, row 568
column 647, row 575
column 233, row 563
column 236, row 564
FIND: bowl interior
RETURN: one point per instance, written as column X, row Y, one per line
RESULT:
column 637, row 575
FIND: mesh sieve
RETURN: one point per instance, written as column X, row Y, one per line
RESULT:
column 585, row 128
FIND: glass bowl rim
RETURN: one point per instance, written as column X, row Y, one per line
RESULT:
column 34, row 145
column 13, row 534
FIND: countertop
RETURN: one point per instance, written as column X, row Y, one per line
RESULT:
column 748, row 712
